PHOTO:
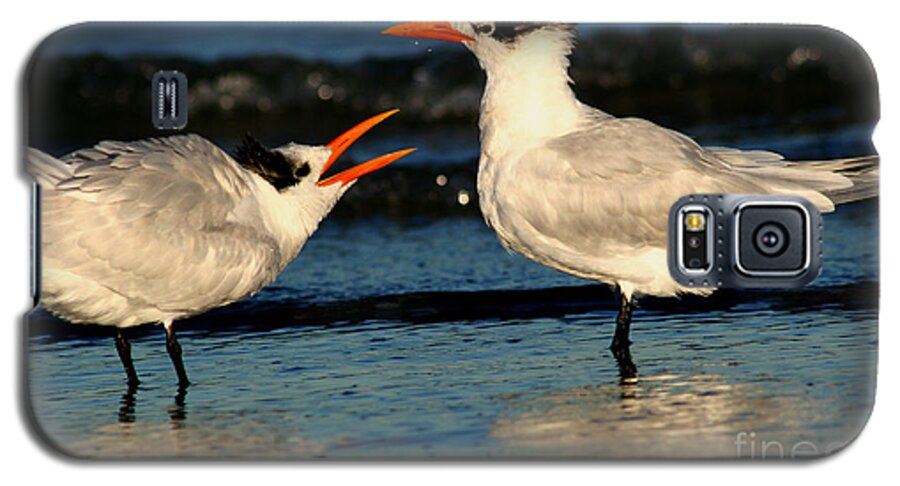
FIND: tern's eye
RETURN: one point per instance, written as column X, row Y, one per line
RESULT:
column 486, row 29
column 302, row 171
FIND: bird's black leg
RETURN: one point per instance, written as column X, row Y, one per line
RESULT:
column 174, row 350
column 627, row 369
column 623, row 324
column 124, row 349
column 621, row 345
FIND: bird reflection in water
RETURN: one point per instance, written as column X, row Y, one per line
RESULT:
column 177, row 410
column 151, row 437
column 661, row 416
column 128, row 405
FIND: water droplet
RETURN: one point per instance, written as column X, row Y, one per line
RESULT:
column 314, row 79
column 325, row 92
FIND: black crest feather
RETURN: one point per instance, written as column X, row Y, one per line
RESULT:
column 510, row 31
column 272, row 166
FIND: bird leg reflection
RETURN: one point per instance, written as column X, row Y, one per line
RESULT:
column 177, row 412
column 127, row 405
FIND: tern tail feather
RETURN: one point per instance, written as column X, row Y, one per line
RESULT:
column 46, row 169
column 840, row 180
column 863, row 172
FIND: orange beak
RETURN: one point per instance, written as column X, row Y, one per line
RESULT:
column 343, row 141
column 428, row 30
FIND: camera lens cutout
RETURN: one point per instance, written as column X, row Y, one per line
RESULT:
column 744, row 241
column 771, row 239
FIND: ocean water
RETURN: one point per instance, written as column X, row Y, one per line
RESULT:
column 424, row 338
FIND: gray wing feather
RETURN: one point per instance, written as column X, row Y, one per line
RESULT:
column 613, row 184
column 738, row 157
column 610, row 187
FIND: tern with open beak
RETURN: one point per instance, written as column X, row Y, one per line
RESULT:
column 579, row 190
column 156, row 230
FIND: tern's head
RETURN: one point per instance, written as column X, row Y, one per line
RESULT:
column 496, row 43
column 299, row 171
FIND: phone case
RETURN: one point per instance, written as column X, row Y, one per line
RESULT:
column 303, row 271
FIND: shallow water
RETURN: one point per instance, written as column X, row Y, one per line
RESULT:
column 425, row 338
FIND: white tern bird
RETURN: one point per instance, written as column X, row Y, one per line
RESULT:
column 160, row 229
column 579, row 190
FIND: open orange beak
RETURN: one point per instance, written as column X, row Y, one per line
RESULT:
column 428, row 30
column 343, row 142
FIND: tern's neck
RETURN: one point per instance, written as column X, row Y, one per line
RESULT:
column 527, row 98
column 292, row 216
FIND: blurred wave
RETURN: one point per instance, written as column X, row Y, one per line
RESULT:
column 805, row 91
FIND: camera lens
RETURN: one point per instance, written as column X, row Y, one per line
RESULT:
column 773, row 239
column 694, row 242
column 770, row 239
